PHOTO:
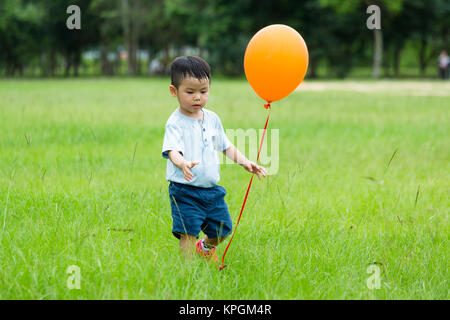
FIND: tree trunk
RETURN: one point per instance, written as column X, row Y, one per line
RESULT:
column 68, row 64
column 104, row 63
column 422, row 55
column 387, row 64
column 445, row 37
column 118, row 64
column 166, row 59
column 76, row 62
column 150, row 57
column 312, row 68
column 377, row 53
column 126, row 30
column 132, row 62
column 43, row 64
column 131, row 33
column 52, row 65
column 397, row 51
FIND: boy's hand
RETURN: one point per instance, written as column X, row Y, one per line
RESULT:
column 187, row 165
column 252, row 167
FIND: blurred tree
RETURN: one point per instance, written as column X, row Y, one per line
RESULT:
column 133, row 15
column 313, row 22
column 326, row 31
column 214, row 27
column 229, row 27
column 137, row 20
column 173, row 28
column 69, row 43
column 34, row 33
column 160, row 32
column 108, row 14
column 153, row 40
column 429, row 33
column 397, row 33
column 388, row 7
column 19, row 34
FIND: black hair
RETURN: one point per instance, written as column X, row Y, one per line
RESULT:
column 190, row 66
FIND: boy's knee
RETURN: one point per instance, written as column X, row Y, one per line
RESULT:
column 187, row 237
column 214, row 241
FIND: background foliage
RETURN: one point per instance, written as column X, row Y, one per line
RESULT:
column 34, row 39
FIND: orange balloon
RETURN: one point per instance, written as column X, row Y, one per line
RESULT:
column 275, row 61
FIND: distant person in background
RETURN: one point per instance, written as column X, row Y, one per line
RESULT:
column 443, row 62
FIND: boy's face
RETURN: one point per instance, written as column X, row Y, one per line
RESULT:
column 192, row 94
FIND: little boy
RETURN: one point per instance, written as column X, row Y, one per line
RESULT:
column 193, row 135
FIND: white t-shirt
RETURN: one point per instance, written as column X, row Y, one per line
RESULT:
column 196, row 140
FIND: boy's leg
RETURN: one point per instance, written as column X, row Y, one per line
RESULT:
column 213, row 241
column 187, row 244
column 218, row 220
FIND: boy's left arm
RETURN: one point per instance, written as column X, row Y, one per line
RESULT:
column 234, row 154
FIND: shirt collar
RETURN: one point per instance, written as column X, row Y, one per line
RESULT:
column 191, row 119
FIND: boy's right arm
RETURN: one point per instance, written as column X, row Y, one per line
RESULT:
column 185, row 166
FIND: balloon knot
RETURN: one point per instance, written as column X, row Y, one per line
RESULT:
column 267, row 106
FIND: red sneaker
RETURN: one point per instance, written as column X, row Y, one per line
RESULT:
column 209, row 255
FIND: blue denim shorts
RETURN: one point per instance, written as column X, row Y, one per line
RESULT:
column 196, row 209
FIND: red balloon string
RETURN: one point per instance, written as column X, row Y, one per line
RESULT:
column 267, row 106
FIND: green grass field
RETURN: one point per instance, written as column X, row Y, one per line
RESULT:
column 363, row 178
